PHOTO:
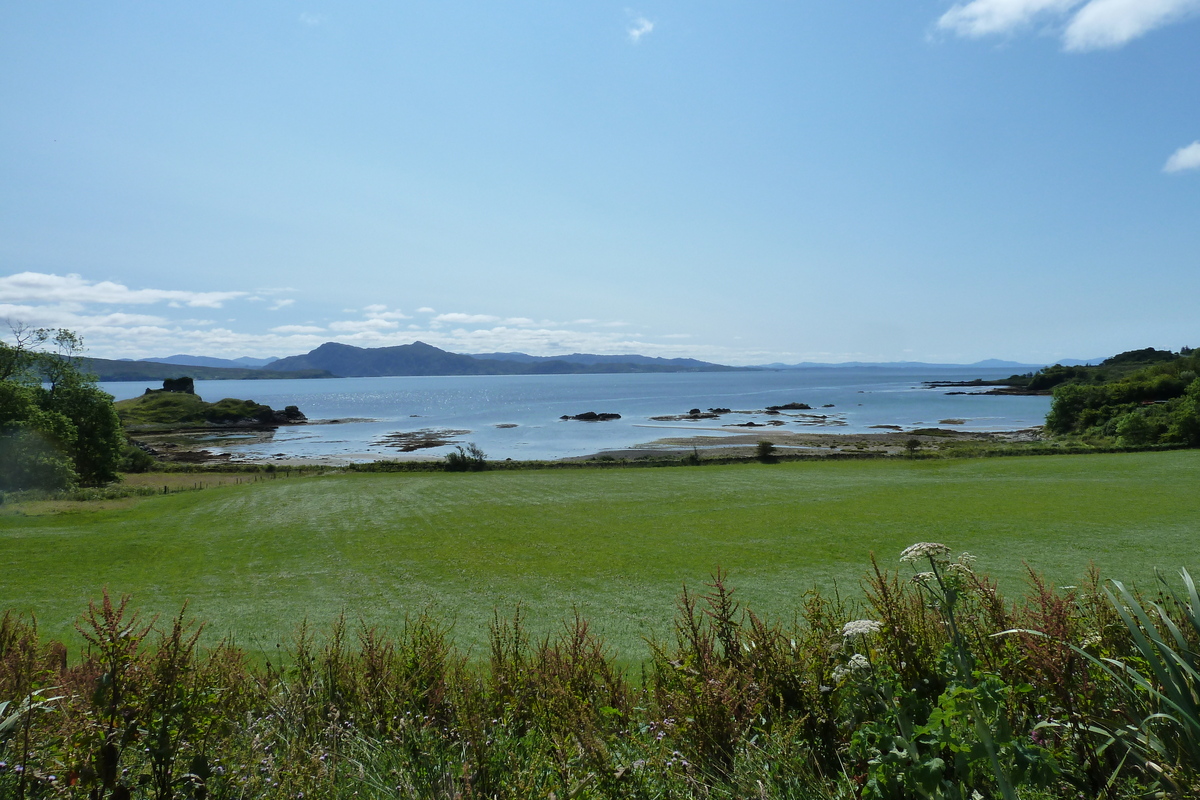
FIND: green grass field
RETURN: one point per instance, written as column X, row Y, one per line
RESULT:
column 254, row 560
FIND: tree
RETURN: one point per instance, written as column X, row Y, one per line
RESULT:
column 57, row 428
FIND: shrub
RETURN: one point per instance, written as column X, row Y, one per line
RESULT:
column 471, row 459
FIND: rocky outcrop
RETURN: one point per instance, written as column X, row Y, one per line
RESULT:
column 591, row 416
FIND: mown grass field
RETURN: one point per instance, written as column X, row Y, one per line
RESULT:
column 256, row 559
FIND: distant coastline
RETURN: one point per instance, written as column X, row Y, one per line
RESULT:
column 335, row 360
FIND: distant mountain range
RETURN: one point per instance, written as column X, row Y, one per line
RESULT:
column 419, row 358
column 591, row 358
column 334, row 360
column 990, row 363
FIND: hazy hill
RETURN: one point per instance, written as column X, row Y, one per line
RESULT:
column 690, row 364
column 990, row 363
column 245, row 362
column 109, row 370
column 419, row 358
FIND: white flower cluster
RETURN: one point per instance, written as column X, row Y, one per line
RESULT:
column 858, row 663
column 861, row 627
column 923, row 550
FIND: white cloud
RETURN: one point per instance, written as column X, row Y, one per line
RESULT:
column 987, row 17
column 425, row 310
column 1112, row 23
column 353, row 325
column 278, row 304
column 311, row 20
column 297, row 329
column 1089, row 24
column 105, row 314
column 38, row 287
column 1184, row 158
column 639, row 28
column 466, row 319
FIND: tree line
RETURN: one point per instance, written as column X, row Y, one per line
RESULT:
column 1158, row 404
column 58, row 429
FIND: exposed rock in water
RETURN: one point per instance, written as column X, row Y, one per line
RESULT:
column 408, row 441
column 592, row 416
column 791, row 407
column 695, row 413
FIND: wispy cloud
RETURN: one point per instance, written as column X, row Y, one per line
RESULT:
column 1112, row 23
column 38, row 287
column 1085, row 24
column 112, row 321
column 1184, row 158
column 278, row 304
column 311, row 20
column 297, row 329
column 989, row 17
column 354, row 325
column 466, row 318
column 638, row 28
column 380, row 311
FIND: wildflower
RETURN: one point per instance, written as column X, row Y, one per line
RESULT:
column 861, row 627
column 922, row 550
column 923, row 577
column 840, row 672
column 859, row 662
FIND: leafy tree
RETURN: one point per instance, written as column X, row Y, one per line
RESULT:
column 57, row 428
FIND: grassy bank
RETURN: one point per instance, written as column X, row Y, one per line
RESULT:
column 255, row 559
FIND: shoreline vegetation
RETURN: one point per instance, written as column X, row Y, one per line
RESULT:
column 933, row 684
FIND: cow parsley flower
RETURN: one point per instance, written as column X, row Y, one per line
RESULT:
column 923, row 550
column 861, row 627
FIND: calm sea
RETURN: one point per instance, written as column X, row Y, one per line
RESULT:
column 860, row 398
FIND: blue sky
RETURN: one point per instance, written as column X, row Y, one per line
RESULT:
column 742, row 182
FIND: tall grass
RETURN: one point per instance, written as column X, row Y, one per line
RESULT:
column 907, row 693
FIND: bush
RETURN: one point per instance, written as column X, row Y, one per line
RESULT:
column 135, row 459
column 765, row 452
column 472, row 459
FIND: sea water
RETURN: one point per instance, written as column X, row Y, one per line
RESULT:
column 860, row 398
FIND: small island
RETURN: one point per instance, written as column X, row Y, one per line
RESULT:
column 165, row 422
column 177, row 407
